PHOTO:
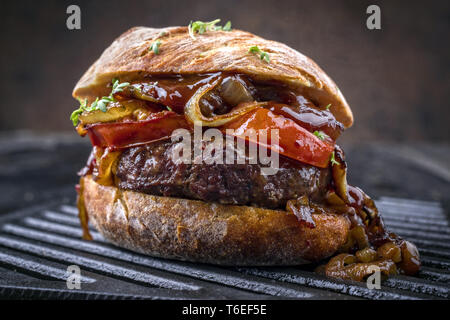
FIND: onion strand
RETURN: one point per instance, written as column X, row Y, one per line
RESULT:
column 194, row 115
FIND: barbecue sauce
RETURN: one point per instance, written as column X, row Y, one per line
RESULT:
column 176, row 91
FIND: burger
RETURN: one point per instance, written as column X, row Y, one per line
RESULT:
column 233, row 91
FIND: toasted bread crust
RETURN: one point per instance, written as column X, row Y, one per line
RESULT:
column 129, row 58
column 208, row 232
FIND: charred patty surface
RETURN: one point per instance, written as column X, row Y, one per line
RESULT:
column 150, row 169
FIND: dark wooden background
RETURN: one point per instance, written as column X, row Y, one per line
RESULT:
column 396, row 79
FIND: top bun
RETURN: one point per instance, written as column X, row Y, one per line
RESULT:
column 129, row 58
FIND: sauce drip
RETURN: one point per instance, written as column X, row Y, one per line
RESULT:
column 82, row 212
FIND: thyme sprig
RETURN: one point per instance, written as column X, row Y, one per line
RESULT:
column 201, row 27
column 262, row 54
column 333, row 160
column 155, row 46
column 321, row 135
column 98, row 104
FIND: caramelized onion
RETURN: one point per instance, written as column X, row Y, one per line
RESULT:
column 349, row 267
column 104, row 170
column 339, row 172
column 333, row 199
column 136, row 92
column 336, row 203
column 194, row 115
column 302, row 210
column 360, row 236
column 410, row 258
column 234, row 92
column 366, row 255
column 116, row 110
column 391, row 251
column 357, row 237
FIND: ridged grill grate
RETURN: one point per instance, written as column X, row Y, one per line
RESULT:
column 37, row 245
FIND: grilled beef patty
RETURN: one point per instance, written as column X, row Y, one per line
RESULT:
column 150, row 169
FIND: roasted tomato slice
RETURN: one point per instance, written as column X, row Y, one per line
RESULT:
column 295, row 142
column 119, row 135
column 309, row 118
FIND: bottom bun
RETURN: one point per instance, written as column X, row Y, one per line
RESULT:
column 209, row 232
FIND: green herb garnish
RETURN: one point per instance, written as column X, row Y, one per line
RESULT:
column 76, row 114
column 98, row 104
column 201, row 27
column 320, row 134
column 118, row 87
column 328, row 106
column 155, row 46
column 262, row 55
column 226, row 27
column 162, row 34
column 333, row 160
